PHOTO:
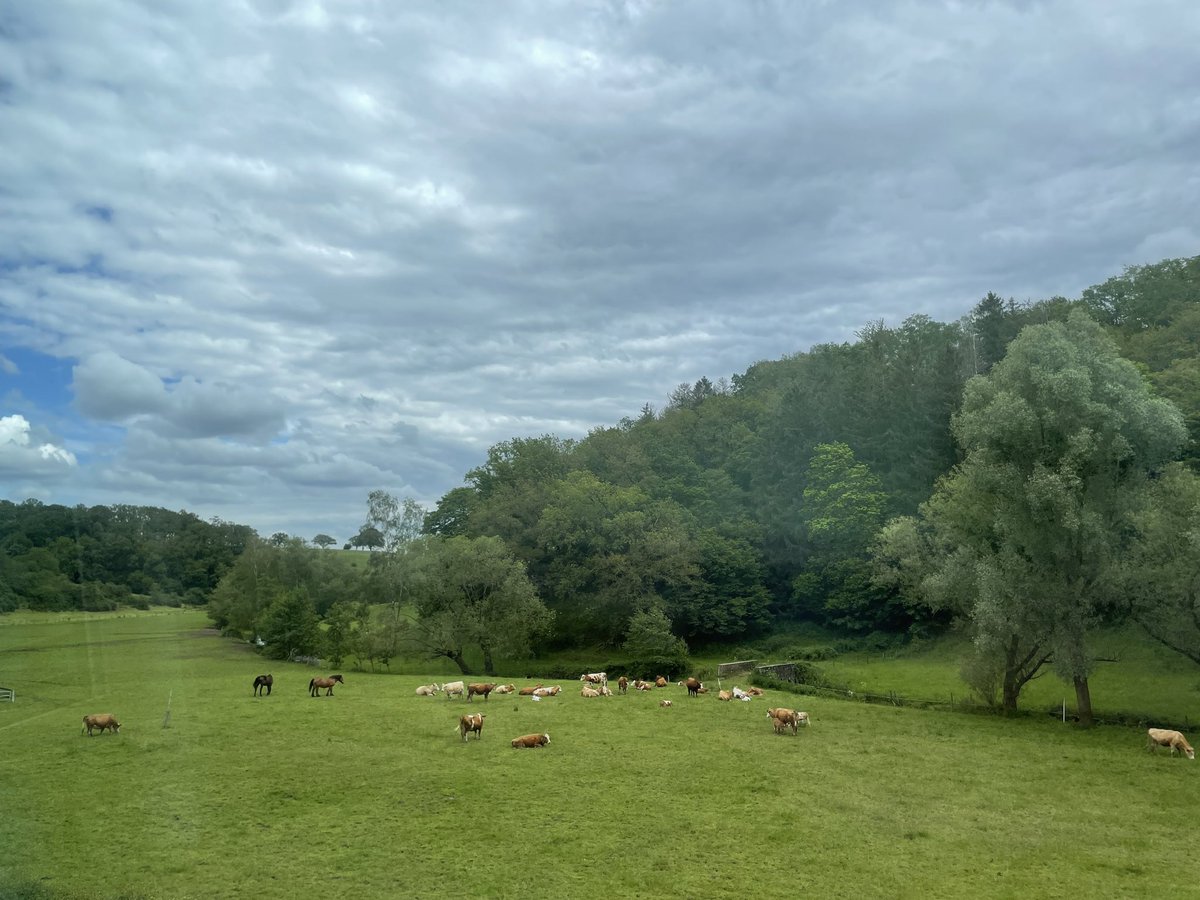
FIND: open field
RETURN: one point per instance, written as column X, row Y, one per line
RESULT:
column 370, row 793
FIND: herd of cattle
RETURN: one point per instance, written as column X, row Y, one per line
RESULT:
column 595, row 684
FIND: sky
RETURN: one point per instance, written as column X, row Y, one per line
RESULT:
column 261, row 257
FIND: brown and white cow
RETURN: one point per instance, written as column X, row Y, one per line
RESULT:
column 101, row 721
column 469, row 723
column 622, row 684
column 664, row 702
column 505, row 689
column 660, row 681
column 589, row 692
column 530, row 741
column 527, row 691
column 693, row 686
column 481, row 688
column 1162, row 737
column 600, row 678
column 781, row 717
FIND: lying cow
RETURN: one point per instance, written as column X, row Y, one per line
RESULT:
column 664, row 702
column 640, row 685
column 101, row 721
column 527, row 691
column 452, row 688
column 739, row 694
column 469, row 723
column 755, row 691
column 546, row 691
column 660, row 681
column 724, row 696
column 1162, row 737
column 505, row 689
column 589, row 692
column 427, row 690
column 480, row 689
column 530, row 741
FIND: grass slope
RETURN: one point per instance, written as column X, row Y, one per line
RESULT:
column 370, row 793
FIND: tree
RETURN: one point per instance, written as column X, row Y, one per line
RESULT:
column 369, row 537
column 844, row 506
column 471, row 593
column 1163, row 569
column 290, row 626
column 1023, row 538
column 652, row 647
column 323, row 540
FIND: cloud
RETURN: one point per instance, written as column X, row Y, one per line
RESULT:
column 312, row 249
column 28, row 456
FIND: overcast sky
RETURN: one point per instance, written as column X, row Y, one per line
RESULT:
column 260, row 257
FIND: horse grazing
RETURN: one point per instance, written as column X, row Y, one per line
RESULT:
column 263, row 681
column 314, row 686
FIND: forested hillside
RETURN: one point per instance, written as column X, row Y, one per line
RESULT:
column 57, row 557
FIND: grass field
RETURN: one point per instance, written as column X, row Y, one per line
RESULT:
column 370, row 793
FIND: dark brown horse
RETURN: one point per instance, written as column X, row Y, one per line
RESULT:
column 316, row 684
column 263, row 681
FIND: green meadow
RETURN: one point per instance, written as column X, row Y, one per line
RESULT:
column 370, row 792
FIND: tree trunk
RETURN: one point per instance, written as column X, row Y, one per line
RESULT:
column 489, row 667
column 1012, row 686
column 460, row 662
column 1083, row 702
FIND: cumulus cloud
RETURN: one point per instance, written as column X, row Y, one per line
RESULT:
column 314, row 249
column 28, row 456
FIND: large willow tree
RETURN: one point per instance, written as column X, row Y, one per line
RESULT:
column 1024, row 538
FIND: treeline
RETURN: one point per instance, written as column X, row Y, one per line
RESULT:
column 1019, row 472
column 94, row 558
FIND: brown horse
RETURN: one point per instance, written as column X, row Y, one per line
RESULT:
column 316, row 684
column 263, row 681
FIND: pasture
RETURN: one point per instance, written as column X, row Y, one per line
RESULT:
column 371, row 793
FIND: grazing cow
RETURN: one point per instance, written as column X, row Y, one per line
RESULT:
column 526, row 691
column 453, row 687
column 693, row 686
column 622, row 684
column 782, row 718
column 660, row 681
column 530, row 741
column 664, row 702
column 102, row 721
column 505, row 689
column 482, row 689
column 261, row 682
column 600, row 678
column 589, row 692
column 427, row 690
column 469, row 723
column 1161, row 737
column 315, row 685
column 724, row 695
